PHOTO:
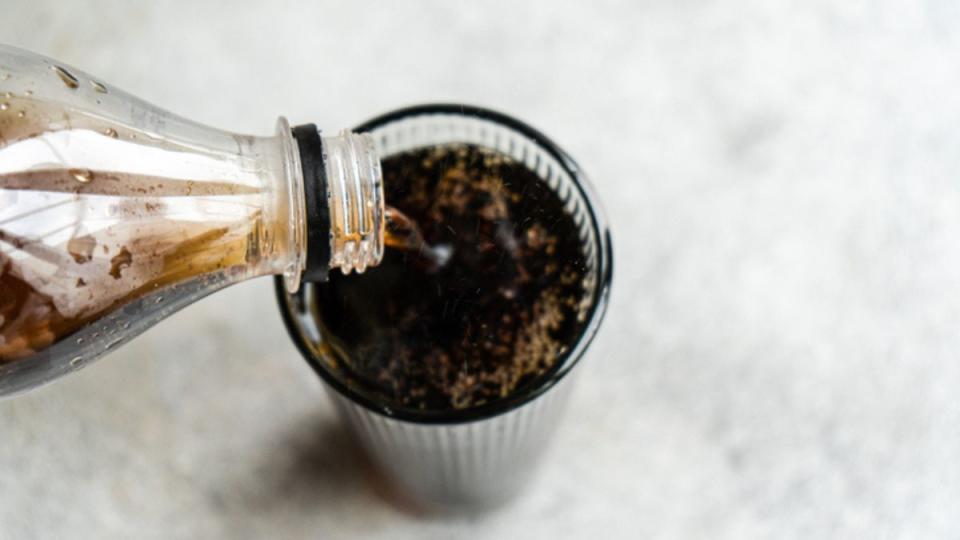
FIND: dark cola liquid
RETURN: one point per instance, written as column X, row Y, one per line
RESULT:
column 480, row 291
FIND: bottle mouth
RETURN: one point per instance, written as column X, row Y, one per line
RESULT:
column 355, row 201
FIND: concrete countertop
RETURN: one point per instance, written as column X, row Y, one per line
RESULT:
column 780, row 359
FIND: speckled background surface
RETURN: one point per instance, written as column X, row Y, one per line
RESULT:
column 780, row 359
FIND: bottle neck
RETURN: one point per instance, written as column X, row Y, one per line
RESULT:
column 339, row 189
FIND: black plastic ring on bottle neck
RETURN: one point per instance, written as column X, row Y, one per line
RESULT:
column 315, row 201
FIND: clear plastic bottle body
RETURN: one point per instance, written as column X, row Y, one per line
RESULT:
column 114, row 214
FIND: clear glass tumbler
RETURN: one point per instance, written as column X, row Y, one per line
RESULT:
column 480, row 456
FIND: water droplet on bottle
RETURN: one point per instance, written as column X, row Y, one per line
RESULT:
column 8, row 95
column 159, row 299
column 67, row 77
column 28, row 93
column 79, row 340
column 110, row 132
column 126, row 325
column 114, row 343
column 4, row 106
column 76, row 361
column 21, row 114
column 98, row 87
column 84, row 176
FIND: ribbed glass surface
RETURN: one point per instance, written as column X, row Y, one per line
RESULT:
column 456, row 466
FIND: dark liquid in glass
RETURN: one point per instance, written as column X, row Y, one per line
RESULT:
column 481, row 290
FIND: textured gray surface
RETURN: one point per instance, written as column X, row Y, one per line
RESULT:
column 781, row 356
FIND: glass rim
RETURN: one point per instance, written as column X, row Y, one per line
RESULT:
column 564, row 364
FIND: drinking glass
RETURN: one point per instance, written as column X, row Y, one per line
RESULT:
column 479, row 456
